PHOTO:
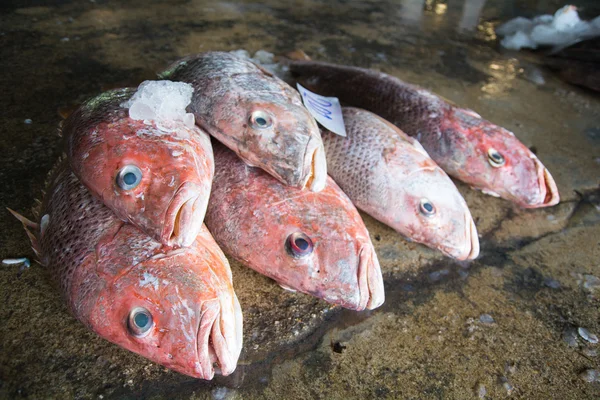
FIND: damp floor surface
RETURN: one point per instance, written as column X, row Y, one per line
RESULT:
column 505, row 325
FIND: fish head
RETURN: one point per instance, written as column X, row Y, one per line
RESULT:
column 315, row 243
column 434, row 212
column 176, row 308
column 281, row 137
column 158, row 180
column 492, row 159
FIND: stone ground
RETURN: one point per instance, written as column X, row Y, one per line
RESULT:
column 502, row 326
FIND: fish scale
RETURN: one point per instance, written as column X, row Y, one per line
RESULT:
column 231, row 94
column 105, row 266
column 388, row 175
column 174, row 164
column 255, row 219
column 458, row 140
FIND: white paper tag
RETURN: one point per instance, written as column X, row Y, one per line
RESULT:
column 326, row 110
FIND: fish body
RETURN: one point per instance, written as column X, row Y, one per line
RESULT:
column 315, row 243
column 157, row 179
column 469, row 148
column 391, row 177
column 257, row 115
column 175, row 307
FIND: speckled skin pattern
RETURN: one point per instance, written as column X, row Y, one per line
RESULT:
column 228, row 91
column 387, row 174
column 457, row 139
column 176, row 163
column 251, row 216
column 107, row 268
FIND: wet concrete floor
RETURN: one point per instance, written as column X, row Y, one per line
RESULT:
column 502, row 326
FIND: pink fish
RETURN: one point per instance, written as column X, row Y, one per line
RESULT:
column 467, row 147
column 391, row 177
column 158, row 180
column 255, row 114
column 315, row 243
column 175, row 307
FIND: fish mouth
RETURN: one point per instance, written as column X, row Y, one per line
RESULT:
column 470, row 249
column 317, row 176
column 370, row 280
column 548, row 190
column 219, row 338
column 184, row 216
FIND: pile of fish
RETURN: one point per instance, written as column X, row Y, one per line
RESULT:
column 135, row 216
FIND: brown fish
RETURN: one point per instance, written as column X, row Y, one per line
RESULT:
column 391, row 177
column 255, row 114
column 315, row 243
column 467, row 147
column 157, row 179
column 175, row 307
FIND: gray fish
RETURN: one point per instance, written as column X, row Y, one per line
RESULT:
column 257, row 115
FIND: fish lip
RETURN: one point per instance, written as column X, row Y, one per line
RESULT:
column 370, row 280
column 204, row 348
column 215, row 332
column 474, row 239
column 184, row 216
column 314, row 158
column 549, row 195
column 470, row 250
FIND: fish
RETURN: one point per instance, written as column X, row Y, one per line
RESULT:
column 389, row 175
column 159, row 180
column 255, row 114
column 466, row 146
column 174, row 306
column 312, row 242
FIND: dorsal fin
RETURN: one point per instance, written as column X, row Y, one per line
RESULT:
column 32, row 229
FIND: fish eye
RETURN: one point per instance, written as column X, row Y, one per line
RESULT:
column 139, row 322
column 260, row 120
column 495, row 158
column 129, row 177
column 426, row 208
column 299, row 245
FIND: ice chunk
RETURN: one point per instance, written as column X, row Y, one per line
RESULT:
column 514, row 25
column 518, row 41
column 241, row 53
column 162, row 101
column 141, row 111
column 566, row 18
column 263, row 57
column 561, row 29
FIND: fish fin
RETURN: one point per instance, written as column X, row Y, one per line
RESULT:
column 284, row 287
column 54, row 172
column 30, row 227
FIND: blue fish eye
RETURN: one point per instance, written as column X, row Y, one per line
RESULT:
column 260, row 120
column 129, row 177
column 299, row 245
column 495, row 158
column 139, row 322
column 426, row 208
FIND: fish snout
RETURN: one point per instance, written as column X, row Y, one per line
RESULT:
column 370, row 280
column 220, row 337
column 184, row 216
column 468, row 247
column 548, row 191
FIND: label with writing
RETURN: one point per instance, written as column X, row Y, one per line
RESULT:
column 326, row 110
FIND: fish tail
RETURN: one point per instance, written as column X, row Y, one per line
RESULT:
column 30, row 228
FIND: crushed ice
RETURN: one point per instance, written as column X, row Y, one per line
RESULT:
column 266, row 60
column 561, row 29
column 162, row 102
